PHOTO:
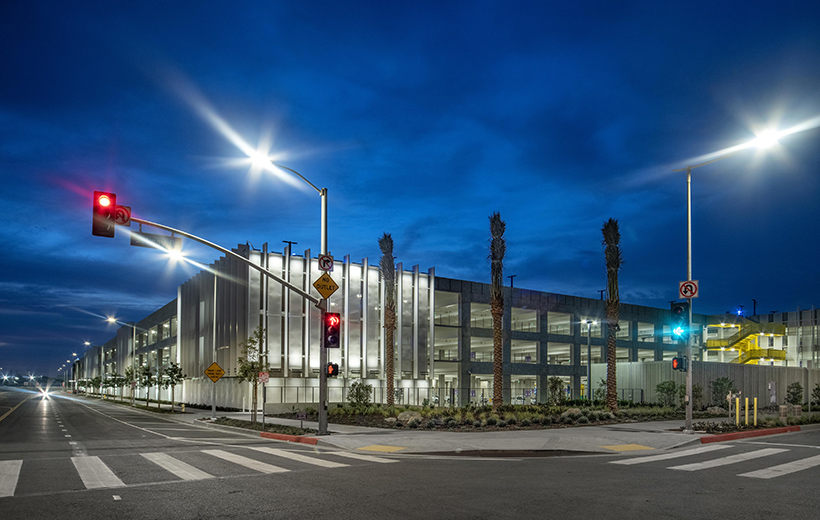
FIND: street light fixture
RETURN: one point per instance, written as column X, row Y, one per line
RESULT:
column 764, row 140
column 260, row 160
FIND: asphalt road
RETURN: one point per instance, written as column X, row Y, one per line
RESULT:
column 121, row 463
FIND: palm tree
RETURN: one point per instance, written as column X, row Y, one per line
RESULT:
column 498, row 246
column 612, row 254
column 388, row 267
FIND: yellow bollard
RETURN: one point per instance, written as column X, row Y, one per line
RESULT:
column 755, row 412
column 747, row 411
column 737, row 411
column 183, row 407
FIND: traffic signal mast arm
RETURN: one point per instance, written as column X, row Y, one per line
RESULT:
column 316, row 301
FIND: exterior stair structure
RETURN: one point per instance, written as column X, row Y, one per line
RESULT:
column 746, row 341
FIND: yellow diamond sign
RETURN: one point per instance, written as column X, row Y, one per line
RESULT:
column 214, row 372
column 325, row 285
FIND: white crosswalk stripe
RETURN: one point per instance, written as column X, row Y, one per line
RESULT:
column 245, row 461
column 784, row 469
column 177, row 467
column 671, row 455
column 299, row 457
column 9, row 473
column 95, row 474
column 731, row 459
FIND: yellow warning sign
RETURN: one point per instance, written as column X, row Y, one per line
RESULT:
column 325, row 285
column 214, row 372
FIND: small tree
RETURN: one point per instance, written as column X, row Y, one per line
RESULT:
column 173, row 377
column 117, row 381
column 146, row 380
column 720, row 389
column 794, row 393
column 600, row 393
column 96, row 382
column 359, row 394
column 131, row 376
column 250, row 364
column 667, row 392
column 555, row 386
column 815, row 394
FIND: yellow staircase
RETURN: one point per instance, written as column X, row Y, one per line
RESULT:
column 746, row 341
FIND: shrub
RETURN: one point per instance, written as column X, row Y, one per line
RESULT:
column 525, row 422
column 583, row 420
column 491, row 420
column 794, row 393
column 720, row 388
column 477, row 424
column 667, row 391
column 414, row 423
column 502, row 423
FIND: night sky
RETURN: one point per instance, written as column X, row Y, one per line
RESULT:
column 421, row 119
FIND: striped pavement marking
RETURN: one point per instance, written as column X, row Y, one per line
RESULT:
column 177, row 467
column 359, row 456
column 784, row 469
column 95, row 474
column 299, row 457
column 9, row 473
column 672, row 455
column 245, row 461
column 732, row 459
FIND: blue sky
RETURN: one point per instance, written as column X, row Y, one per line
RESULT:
column 421, row 119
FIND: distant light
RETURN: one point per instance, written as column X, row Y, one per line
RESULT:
column 87, row 343
column 112, row 320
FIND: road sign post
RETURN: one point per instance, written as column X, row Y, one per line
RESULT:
column 214, row 372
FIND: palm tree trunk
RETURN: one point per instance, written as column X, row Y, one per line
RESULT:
column 389, row 351
column 497, row 311
column 612, row 254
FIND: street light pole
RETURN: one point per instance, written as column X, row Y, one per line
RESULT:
column 323, row 304
column 764, row 140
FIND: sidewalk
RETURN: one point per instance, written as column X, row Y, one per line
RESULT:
column 579, row 440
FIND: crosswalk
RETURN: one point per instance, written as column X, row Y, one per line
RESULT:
column 714, row 456
column 117, row 471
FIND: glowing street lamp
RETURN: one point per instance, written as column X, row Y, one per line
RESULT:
column 765, row 139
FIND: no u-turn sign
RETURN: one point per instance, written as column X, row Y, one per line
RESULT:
column 688, row 289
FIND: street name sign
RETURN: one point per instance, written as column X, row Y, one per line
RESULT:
column 214, row 372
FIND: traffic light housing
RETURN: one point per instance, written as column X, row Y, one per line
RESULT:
column 104, row 207
column 679, row 363
column 331, row 327
column 332, row 370
column 680, row 321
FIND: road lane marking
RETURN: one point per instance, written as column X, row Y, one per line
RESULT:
column 245, row 461
column 671, row 455
column 784, row 469
column 177, row 467
column 95, row 474
column 359, row 456
column 9, row 473
column 299, row 457
column 731, row 459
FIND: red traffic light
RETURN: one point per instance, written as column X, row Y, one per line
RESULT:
column 103, row 206
column 332, row 370
column 332, row 322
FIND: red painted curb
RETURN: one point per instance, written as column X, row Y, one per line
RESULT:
column 743, row 435
column 289, row 438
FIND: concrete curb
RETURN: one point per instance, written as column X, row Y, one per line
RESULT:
column 745, row 435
